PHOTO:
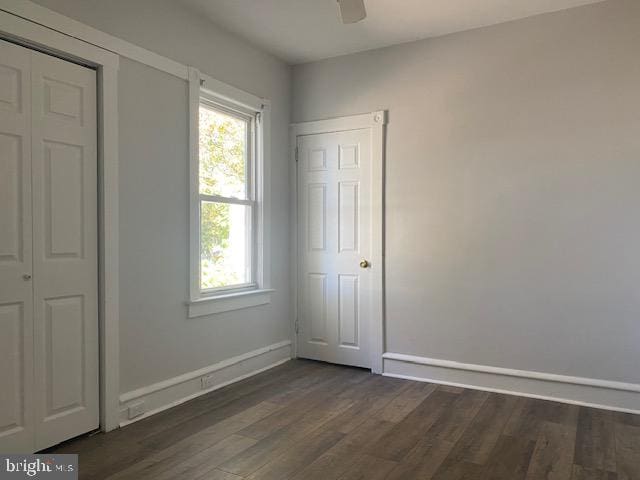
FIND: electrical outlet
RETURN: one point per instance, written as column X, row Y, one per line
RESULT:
column 136, row 409
column 208, row 382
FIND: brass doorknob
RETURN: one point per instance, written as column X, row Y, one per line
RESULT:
column 364, row 264
column 26, row 276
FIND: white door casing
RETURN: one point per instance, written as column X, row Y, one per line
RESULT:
column 62, row 393
column 339, row 211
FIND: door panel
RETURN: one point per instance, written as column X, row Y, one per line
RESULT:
column 317, row 295
column 64, row 138
column 64, row 356
column 12, row 370
column 11, row 227
column 16, row 300
column 317, row 201
column 63, row 165
column 348, row 310
column 348, row 202
column 334, row 188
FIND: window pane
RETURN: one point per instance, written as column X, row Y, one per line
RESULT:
column 224, row 245
column 223, row 154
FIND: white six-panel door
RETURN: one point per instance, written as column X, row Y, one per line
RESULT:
column 334, row 237
column 53, row 346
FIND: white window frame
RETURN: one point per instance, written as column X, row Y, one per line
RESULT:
column 204, row 89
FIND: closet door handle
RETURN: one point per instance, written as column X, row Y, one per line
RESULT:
column 26, row 276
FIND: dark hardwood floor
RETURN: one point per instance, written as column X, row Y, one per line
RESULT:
column 307, row 420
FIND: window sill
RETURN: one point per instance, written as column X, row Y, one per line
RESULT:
column 229, row 301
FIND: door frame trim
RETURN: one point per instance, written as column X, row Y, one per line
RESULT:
column 34, row 35
column 376, row 122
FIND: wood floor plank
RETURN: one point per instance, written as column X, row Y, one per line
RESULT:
column 627, row 452
column 466, row 471
column 298, row 408
column 450, row 426
column 254, row 389
column 595, row 440
column 581, row 473
column 530, row 414
column 510, row 459
column 377, row 400
column 359, row 439
column 216, row 474
column 284, row 439
column 451, row 389
column 406, row 401
column 402, row 438
column 422, row 462
column 328, row 466
column 336, row 461
column 480, row 438
column 180, row 451
column 166, row 437
column 120, row 455
column 92, row 447
column 206, row 460
column 354, row 389
column 297, row 456
column 302, row 419
column 257, row 455
column 627, row 418
column 552, row 458
column 428, row 457
column 366, row 467
column 328, row 373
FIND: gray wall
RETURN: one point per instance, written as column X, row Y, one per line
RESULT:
column 157, row 340
column 513, row 186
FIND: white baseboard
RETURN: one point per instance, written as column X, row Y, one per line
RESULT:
column 609, row 395
column 174, row 391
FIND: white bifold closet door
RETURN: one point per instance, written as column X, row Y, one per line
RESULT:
column 48, row 250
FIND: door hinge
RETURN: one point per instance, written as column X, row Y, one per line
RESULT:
column 297, row 326
column 296, row 154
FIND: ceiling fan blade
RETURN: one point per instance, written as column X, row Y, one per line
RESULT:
column 352, row 11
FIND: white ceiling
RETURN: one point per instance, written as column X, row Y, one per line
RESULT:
column 299, row 31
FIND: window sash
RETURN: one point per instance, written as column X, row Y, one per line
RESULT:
column 250, row 249
column 248, row 201
column 250, row 150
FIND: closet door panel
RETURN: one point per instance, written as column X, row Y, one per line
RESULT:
column 16, row 299
column 65, row 248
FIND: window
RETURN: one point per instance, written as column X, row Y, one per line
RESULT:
column 229, row 197
column 226, row 199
